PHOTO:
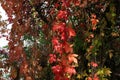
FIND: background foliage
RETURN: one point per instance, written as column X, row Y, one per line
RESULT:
column 92, row 31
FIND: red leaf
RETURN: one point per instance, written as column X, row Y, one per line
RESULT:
column 66, row 3
column 76, row 2
column 67, row 48
column 58, row 77
column 70, row 70
column 94, row 21
column 55, row 41
column 64, row 61
column 52, row 58
column 62, row 15
column 71, row 32
column 59, row 26
column 65, row 79
column 57, row 69
column 59, row 48
column 93, row 16
column 63, row 36
column 94, row 64
column 57, row 5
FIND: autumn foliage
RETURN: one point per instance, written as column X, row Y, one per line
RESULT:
column 62, row 39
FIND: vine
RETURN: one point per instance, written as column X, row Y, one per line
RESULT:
column 63, row 56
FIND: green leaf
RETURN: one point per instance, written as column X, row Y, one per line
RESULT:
column 113, row 14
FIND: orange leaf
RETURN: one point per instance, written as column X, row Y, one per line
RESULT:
column 95, row 77
column 89, row 78
column 72, row 58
